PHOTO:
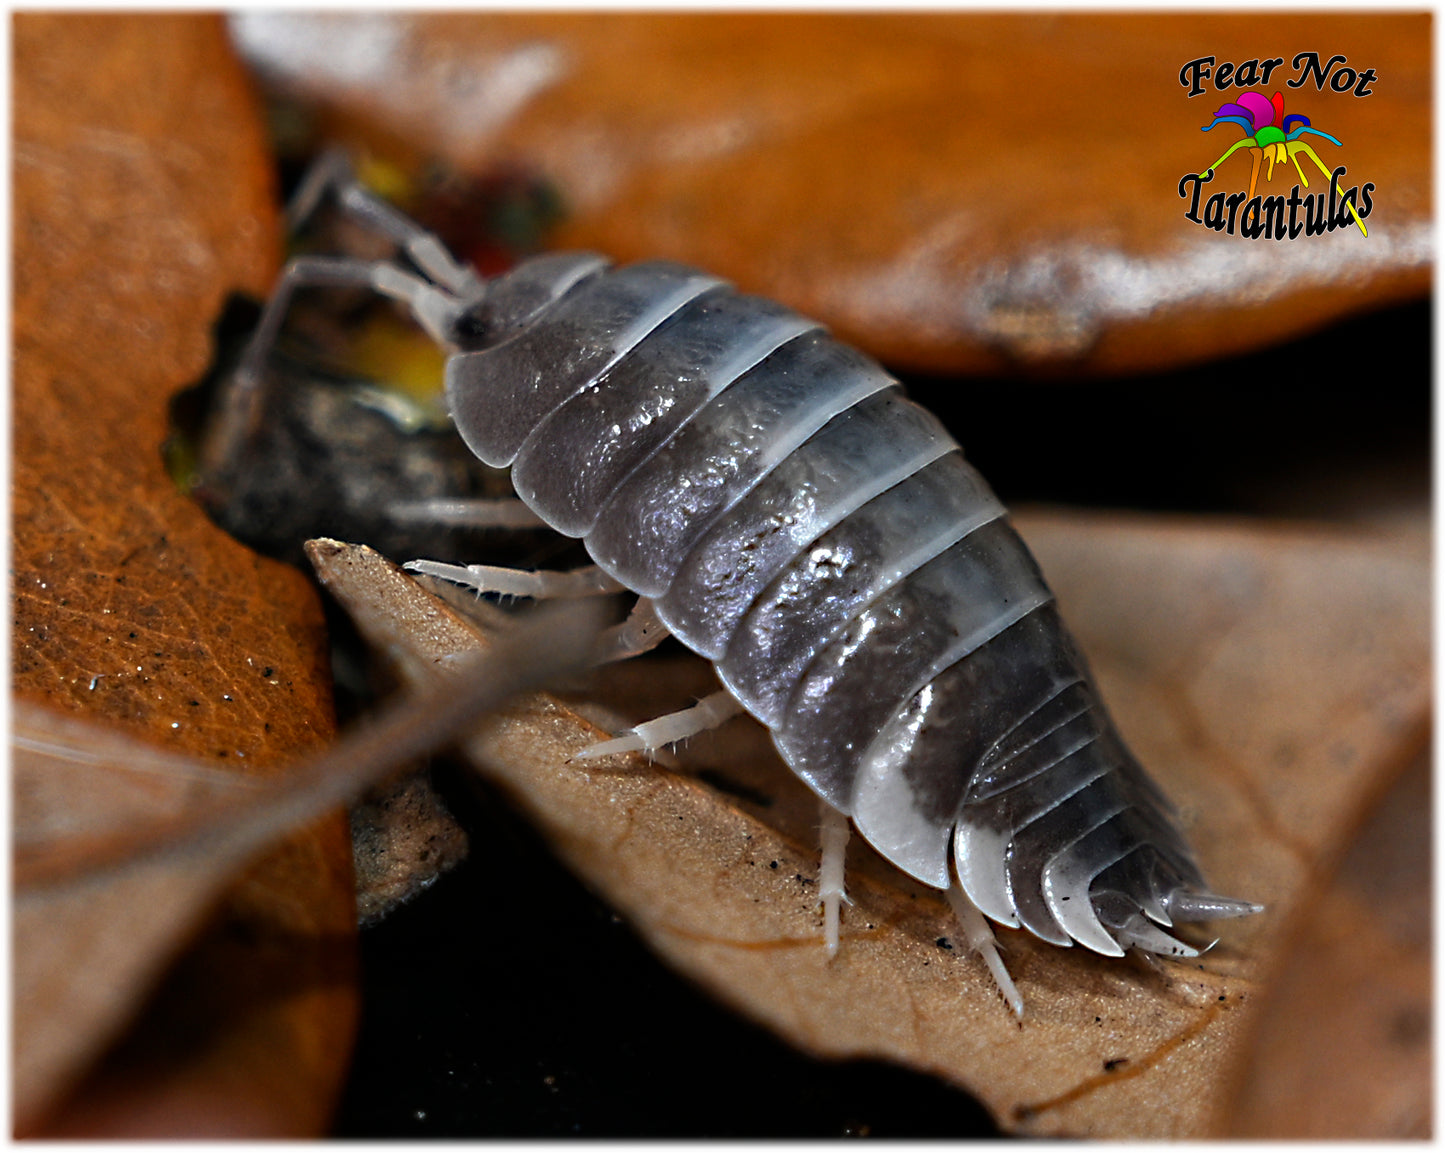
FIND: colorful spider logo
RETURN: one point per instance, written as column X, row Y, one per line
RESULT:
column 1268, row 136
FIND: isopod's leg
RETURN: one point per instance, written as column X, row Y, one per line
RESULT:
column 640, row 633
column 540, row 585
column 649, row 736
column 833, row 833
column 979, row 937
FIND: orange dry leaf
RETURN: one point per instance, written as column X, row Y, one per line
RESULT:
column 1343, row 1049
column 957, row 191
column 141, row 197
column 119, row 850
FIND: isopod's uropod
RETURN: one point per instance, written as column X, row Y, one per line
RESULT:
column 783, row 509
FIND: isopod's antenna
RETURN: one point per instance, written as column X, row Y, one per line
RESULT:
column 333, row 173
column 436, row 298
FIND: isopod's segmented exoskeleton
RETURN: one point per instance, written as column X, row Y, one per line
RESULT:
column 794, row 518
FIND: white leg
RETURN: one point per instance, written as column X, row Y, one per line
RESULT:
column 582, row 582
column 979, row 937
column 508, row 512
column 708, row 713
column 640, row 633
column 833, row 832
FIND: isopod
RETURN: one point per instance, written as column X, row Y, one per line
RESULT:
column 783, row 509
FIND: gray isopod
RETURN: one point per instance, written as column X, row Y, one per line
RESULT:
column 795, row 519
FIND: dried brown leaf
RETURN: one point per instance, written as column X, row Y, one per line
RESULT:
column 1179, row 622
column 403, row 839
column 119, row 849
column 85, row 952
column 1352, row 997
column 141, row 196
column 959, row 191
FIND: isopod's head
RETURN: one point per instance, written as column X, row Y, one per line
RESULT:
column 516, row 300
column 486, row 402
